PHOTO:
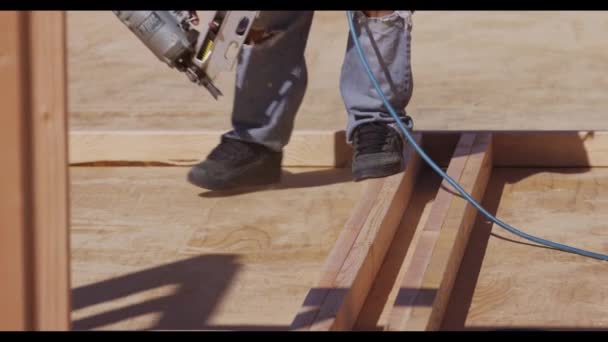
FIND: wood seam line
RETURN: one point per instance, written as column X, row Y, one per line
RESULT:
column 314, row 148
column 423, row 246
column 350, row 288
column 428, row 308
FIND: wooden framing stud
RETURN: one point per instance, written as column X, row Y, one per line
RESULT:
column 427, row 239
column 34, row 209
column 350, row 270
column 430, row 276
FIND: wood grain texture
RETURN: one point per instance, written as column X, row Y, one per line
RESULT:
column 319, row 148
column 50, row 174
column 14, row 292
column 534, row 70
column 117, row 83
column 151, row 251
column 441, row 148
column 506, row 282
column 181, row 148
column 375, row 313
column 447, row 248
column 341, row 306
column 336, row 258
column 36, row 110
column 421, row 251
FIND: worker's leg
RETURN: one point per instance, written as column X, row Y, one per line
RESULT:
column 385, row 40
column 271, row 80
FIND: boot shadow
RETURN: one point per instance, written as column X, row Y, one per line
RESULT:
column 290, row 180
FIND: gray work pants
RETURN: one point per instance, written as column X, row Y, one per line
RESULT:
column 271, row 75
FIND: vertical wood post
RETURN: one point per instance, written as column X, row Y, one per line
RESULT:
column 34, row 206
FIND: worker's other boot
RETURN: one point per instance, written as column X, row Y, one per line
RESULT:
column 378, row 151
column 234, row 164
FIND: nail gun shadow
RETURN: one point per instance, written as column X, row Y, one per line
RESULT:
column 291, row 180
column 199, row 285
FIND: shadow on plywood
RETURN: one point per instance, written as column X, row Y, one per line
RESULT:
column 197, row 287
column 291, row 180
column 502, row 274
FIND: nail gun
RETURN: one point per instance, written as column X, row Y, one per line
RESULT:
column 200, row 47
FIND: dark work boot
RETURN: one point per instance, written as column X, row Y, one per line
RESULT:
column 378, row 151
column 235, row 163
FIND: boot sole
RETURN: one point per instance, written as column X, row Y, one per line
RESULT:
column 376, row 172
column 218, row 185
column 256, row 175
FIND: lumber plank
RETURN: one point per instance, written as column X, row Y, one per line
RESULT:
column 317, row 148
column 13, row 291
column 50, row 174
column 315, row 297
column 425, row 242
column 35, row 233
column 378, row 304
column 353, row 280
column 313, row 148
column 431, row 279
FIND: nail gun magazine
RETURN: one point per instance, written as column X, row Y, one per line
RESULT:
column 201, row 44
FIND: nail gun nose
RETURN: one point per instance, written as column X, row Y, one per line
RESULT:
column 214, row 25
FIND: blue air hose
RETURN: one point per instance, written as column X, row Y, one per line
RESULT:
column 350, row 16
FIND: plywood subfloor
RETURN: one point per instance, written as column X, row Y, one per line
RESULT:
column 506, row 283
column 150, row 251
column 532, row 70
